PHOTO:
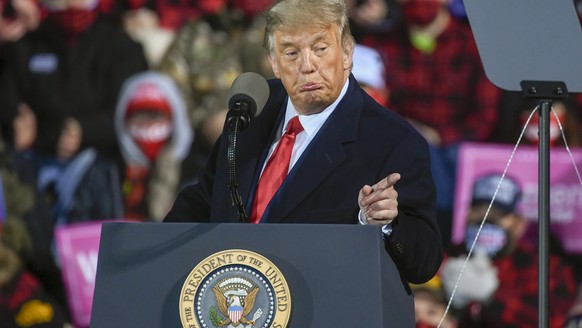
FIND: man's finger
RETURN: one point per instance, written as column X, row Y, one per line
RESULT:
column 364, row 192
column 387, row 182
column 392, row 179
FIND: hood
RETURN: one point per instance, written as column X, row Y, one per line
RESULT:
column 182, row 134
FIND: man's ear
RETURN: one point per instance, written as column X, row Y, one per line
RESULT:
column 348, row 57
column 274, row 66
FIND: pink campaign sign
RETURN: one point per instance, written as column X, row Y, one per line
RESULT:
column 476, row 159
column 78, row 247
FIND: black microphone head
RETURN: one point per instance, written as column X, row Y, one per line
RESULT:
column 250, row 88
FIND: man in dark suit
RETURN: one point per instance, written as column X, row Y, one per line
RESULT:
column 347, row 157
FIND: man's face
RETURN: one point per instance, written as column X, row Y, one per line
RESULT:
column 428, row 310
column 312, row 64
column 513, row 225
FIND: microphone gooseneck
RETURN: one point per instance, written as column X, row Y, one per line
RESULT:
column 246, row 98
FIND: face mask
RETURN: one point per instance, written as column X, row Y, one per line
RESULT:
column 420, row 12
column 492, row 238
column 531, row 132
column 151, row 137
column 73, row 21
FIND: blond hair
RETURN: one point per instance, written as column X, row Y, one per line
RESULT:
column 294, row 13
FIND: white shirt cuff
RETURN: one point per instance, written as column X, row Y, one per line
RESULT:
column 386, row 229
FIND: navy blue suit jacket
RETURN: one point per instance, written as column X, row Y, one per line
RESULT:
column 360, row 143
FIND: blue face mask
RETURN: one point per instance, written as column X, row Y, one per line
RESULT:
column 491, row 240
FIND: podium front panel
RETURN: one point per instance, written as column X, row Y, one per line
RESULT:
column 338, row 275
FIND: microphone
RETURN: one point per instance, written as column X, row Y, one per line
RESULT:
column 246, row 97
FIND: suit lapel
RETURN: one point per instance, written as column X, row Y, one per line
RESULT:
column 320, row 159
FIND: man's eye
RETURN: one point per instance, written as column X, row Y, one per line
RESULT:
column 320, row 50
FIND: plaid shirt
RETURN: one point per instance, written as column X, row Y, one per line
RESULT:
column 446, row 89
column 515, row 304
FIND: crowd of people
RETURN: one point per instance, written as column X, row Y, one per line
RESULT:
column 108, row 109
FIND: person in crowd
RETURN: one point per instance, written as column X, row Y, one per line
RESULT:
column 58, row 91
column 61, row 82
column 24, row 302
column 28, row 270
column 532, row 136
column 437, row 82
column 565, row 128
column 499, row 285
column 249, row 16
column 155, row 136
column 155, row 23
column 210, row 51
column 58, row 94
column 16, row 18
column 336, row 155
column 371, row 16
column 370, row 73
column 514, row 111
column 144, row 26
column 430, row 303
column 173, row 14
column 208, row 131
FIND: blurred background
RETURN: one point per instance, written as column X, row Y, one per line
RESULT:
column 108, row 108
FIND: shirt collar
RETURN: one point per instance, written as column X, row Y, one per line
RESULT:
column 312, row 123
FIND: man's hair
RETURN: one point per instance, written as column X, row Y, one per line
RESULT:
column 295, row 13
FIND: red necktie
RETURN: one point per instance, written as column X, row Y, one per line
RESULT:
column 275, row 170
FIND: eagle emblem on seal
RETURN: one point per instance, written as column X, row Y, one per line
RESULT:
column 235, row 298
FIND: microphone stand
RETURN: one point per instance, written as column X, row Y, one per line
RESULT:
column 236, row 120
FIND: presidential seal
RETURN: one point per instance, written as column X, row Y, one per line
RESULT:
column 235, row 289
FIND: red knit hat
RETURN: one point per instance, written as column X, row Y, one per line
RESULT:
column 148, row 96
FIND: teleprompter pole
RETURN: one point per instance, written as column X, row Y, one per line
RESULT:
column 544, row 213
column 546, row 92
